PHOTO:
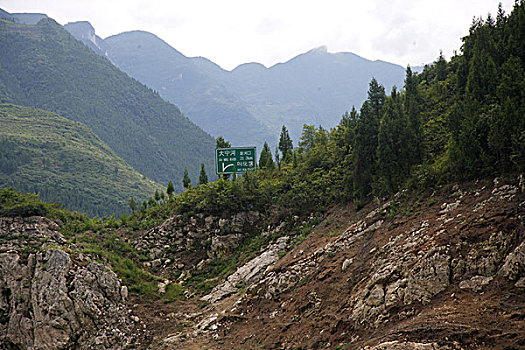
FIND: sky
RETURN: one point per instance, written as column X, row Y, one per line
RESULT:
column 232, row 32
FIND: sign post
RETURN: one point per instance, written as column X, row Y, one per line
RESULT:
column 235, row 160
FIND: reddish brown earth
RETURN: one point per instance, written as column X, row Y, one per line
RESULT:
column 315, row 312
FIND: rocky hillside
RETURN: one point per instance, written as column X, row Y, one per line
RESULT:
column 53, row 298
column 439, row 269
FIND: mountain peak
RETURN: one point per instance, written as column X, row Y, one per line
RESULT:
column 84, row 29
column 320, row 49
column 24, row 18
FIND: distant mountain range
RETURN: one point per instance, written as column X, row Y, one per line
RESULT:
column 202, row 97
column 43, row 66
column 250, row 103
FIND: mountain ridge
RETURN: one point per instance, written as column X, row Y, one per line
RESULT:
column 288, row 92
column 179, row 79
column 251, row 94
column 71, row 80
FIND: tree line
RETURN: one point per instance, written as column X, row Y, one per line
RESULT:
column 456, row 120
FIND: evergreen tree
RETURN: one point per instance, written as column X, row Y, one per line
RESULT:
column 412, row 111
column 222, row 143
column 157, row 196
column 170, row 189
column 203, row 178
column 393, row 156
column 186, row 181
column 365, row 152
column 285, row 144
column 307, row 139
column 441, row 67
column 266, row 159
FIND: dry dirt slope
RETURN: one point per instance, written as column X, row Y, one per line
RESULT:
column 443, row 269
column 439, row 270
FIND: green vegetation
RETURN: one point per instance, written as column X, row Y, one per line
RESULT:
column 64, row 161
column 451, row 122
column 43, row 66
column 203, row 177
column 448, row 123
column 97, row 239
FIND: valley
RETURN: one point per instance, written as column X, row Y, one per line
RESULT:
column 393, row 222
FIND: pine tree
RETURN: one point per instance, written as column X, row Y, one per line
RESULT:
column 186, row 181
column 170, row 189
column 285, row 144
column 203, row 178
column 393, row 156
column 413, row 114
column 365, row 152
column 307, row 139
column 222, row 143
column 266, row 160
column 157, row 196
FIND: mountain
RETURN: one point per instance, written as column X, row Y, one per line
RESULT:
column 316, row 87
column 45, row 67
column 251, row 102
column 180, row 80
column 65, row 161
column 24, row 18
column 85, row 32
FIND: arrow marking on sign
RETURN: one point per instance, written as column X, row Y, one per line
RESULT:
column 226, row 167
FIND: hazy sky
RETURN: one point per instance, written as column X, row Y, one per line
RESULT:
column 231, row 32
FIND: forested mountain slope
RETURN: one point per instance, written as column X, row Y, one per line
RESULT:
column 43, row 66
column 249, row 104
column 177, row 78
column 401, row 228
column 64, row 161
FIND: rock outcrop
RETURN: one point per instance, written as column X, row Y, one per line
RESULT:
column 49, row 301
column 393, row 274
column 249, row 273
column 184, row 242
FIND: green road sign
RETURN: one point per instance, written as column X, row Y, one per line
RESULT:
column 235, row 160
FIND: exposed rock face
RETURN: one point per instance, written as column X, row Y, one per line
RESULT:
column 250, row 272
column 32, row 228
column 410, row 268
column 514, row 267
column 47, row 301
column 185, row 242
